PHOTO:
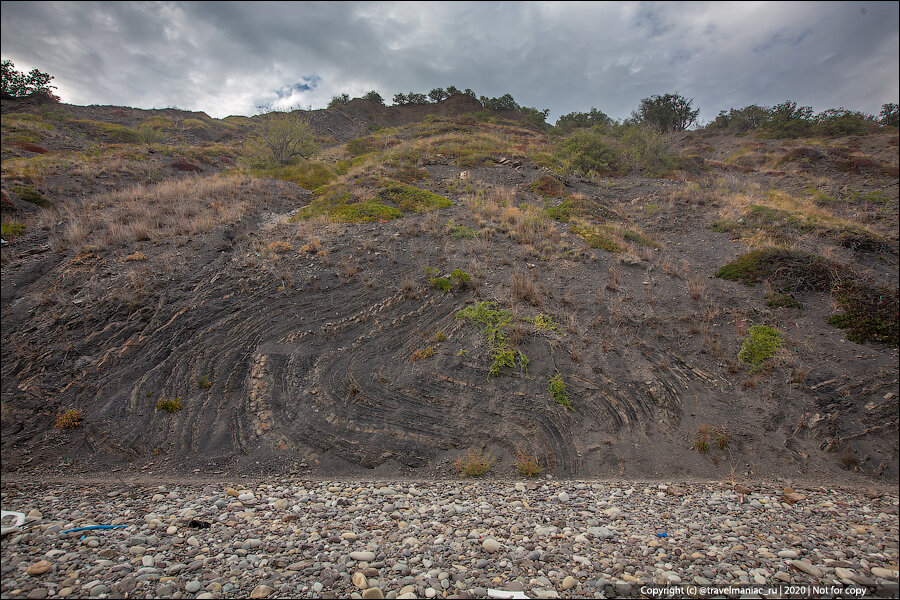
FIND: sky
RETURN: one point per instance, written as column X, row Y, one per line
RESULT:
column 231, row 58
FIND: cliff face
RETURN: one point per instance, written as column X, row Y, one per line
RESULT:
column 368, row 325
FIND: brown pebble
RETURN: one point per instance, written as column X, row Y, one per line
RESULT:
column 38, row 568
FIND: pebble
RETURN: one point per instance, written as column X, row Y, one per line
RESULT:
column 362, row 556
column 38, row 568
column 547, row 538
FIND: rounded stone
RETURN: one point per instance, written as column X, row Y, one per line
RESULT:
column 38, row 568
column 362, row 556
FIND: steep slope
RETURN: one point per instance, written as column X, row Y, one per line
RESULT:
column 294, row 341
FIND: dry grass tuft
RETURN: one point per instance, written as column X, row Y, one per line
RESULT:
column 524, row 288
column 183, row 206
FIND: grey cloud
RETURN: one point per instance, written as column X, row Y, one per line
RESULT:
column 230, row 57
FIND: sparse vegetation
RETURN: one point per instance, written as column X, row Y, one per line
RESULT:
column 280, row 138
column 422, row 354
column 761, row 344
column 474, row 463
column 12, row 229
column 495, row 323
column 557, row 388
column 170, row 405
column 869, row 311
column 70, row 419
column 31, row 195
column 203, row 382
column 528, row 465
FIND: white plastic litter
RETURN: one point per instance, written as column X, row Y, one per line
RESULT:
column 20, row 520
column 507, row 594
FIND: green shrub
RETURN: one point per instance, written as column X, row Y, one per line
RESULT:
column 544, row 322
column 367, row 145
column 669, row 112
column 11, row 230
column 869, row 311
column 203, row 382
column 170, row 405
column 365, row 212
column 441, row 283
column 280, row 138
column 779, row 300
column 413, row 199
column 31, row 195
column 587, row 152
column 495, row 323
column 574, row 207
column 557, row 388
column 309, row 174
column 461, row 278
column 843, row 122
column 761, row 344
column 461, row 232
column 596, row 237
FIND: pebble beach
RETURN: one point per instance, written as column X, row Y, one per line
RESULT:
column 446, row 539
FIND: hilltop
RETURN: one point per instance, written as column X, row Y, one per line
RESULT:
column 438, row 284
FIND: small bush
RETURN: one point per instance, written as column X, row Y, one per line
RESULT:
column 309, row 174
column 473, row 463
column 441, row 283
column 544, row 322
column 723, row 439
column 11, row 230
column 557, row 388
column 280, row 247
column 422, row 354
column 548, row 187
column 170, row 405
column 413, row 199
column 528, row 465
column 30, row 195
column 702, row 446
column 869, row 311
column 761, row 344
column 596, row 237
column 69, row 419
column 495, row 323
column 588, row 152
column 576, row 206
column 279, row 138
column 461, row 278
column 203, row 382
column 461, row 232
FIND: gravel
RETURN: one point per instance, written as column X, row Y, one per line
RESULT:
column 335, row 539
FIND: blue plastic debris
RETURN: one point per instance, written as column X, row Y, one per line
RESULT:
column 661, row 535
column 92, row 527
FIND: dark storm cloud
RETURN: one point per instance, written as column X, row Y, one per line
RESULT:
column 228, row 58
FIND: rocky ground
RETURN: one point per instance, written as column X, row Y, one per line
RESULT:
column 405, row 539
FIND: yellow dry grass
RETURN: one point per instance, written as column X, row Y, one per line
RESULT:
column 184, row 206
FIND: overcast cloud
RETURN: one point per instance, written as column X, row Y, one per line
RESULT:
column 230, row 58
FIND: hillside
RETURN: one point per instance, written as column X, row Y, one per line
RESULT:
column 436, row 282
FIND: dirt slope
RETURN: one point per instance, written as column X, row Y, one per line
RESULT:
column 326, row 347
